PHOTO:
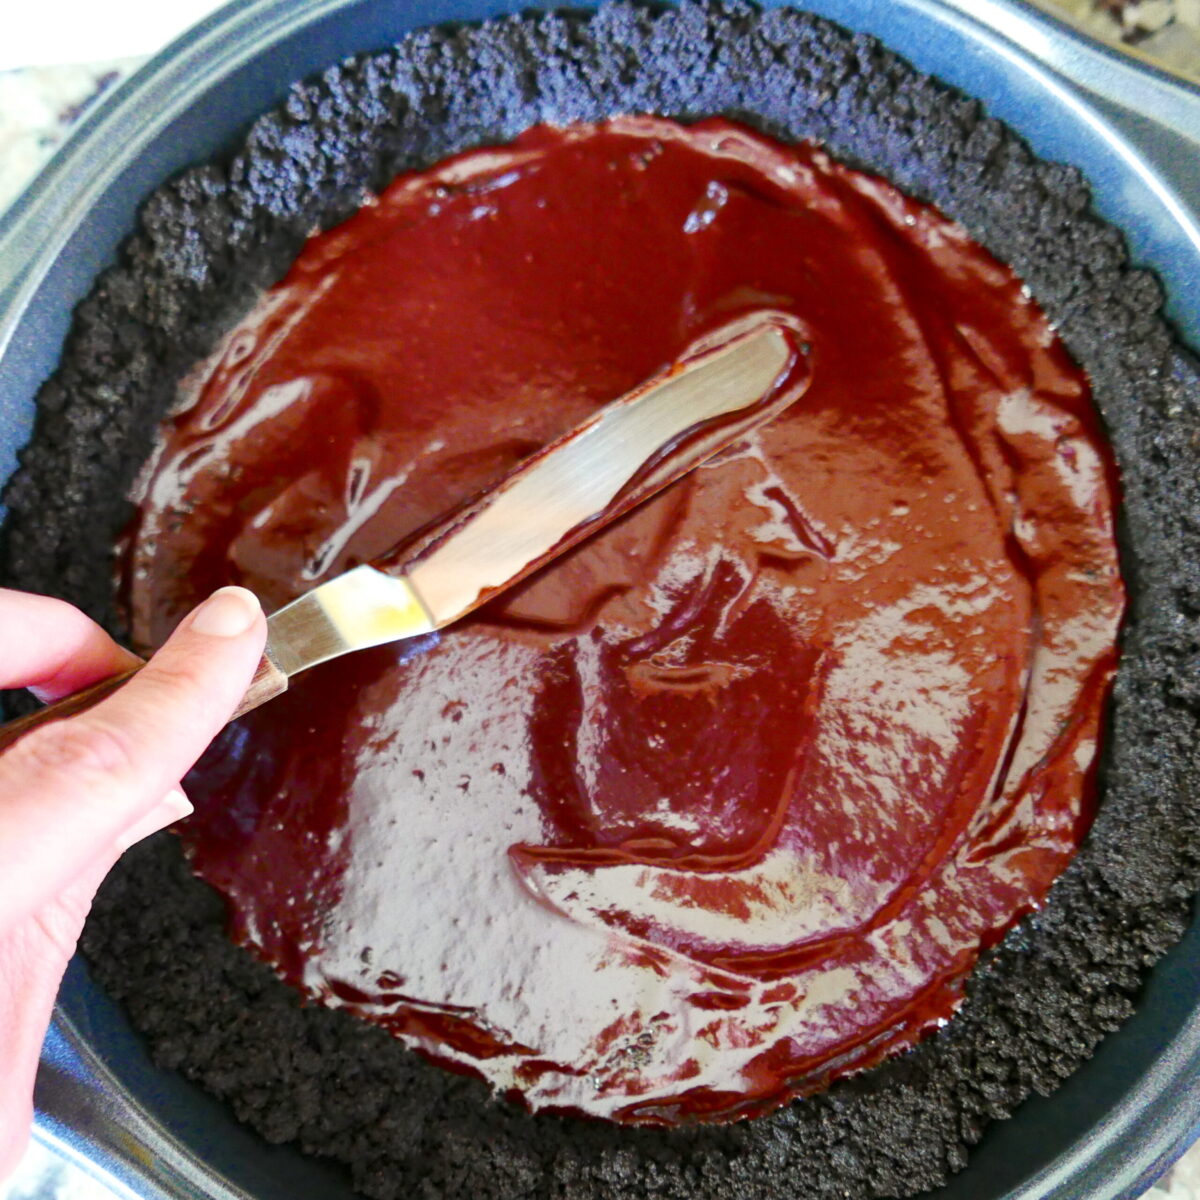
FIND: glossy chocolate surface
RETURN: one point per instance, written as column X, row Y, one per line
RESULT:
column 726, row 802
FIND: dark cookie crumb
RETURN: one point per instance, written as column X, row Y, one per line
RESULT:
column 209, row 240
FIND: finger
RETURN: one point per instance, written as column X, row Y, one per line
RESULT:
column 174, row 806
column 51, row 647
column 70, row 788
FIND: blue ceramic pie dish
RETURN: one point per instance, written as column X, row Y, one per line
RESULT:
column 1116, row 1124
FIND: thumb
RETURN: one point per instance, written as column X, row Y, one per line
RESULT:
column 69, row 789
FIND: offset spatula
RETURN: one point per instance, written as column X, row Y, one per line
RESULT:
column 724, row 387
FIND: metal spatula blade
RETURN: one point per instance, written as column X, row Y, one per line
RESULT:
column 631, row 449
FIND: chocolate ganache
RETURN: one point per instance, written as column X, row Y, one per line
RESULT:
column 726, row 802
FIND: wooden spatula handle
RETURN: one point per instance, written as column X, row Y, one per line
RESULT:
column 68, row 706
column 268, row 681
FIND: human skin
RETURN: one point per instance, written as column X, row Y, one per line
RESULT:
column 74, row 794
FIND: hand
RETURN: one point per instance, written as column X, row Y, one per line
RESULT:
column 75, row 793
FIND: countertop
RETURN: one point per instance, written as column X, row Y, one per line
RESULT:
column 39, row 104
